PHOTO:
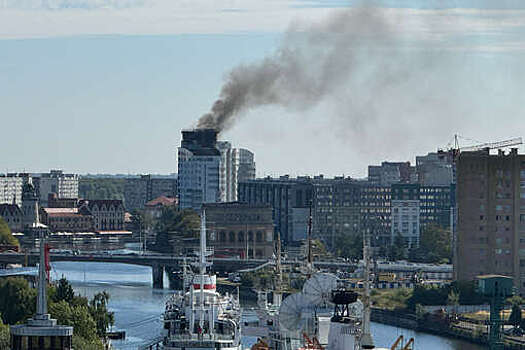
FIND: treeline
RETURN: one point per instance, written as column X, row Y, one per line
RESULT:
column 90, row 319
column 435, row 246
column 101, row 188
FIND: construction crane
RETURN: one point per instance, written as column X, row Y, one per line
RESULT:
column 456, row 150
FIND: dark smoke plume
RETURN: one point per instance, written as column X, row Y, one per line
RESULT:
column 309, row 65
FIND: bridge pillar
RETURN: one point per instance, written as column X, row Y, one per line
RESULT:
column 158, row 276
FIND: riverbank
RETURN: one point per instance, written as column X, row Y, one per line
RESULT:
column 441, row 325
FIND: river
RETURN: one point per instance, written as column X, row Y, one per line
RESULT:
column 138, row 306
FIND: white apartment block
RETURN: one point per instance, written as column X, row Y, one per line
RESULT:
column 209, row 170
column 11, row 189
column 64, row 185
column 198, row 179
column 405, row 221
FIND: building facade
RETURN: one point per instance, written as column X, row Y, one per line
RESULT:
column 11, row 189
column 67, row 219
column 108, row 215
column 289, row 198
column 415, row 207
column 389, row 173
column 237, row 164
column 436, row 169
column 240, row 229
column 198, row 168
column 64, row 185
column 140, row 190
column 12, row 214
column 491, row 216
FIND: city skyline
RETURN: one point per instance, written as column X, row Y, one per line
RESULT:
column 171, row 81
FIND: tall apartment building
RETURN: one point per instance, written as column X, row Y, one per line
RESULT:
column 226, row 166
column 237, row 164
column 375, row 211
column 11, row 188
column 436, row 169
column 199, row 161
column 389, row 173
column 140, row 190
column 64, row 185
column 416, row 206
column 491, row 215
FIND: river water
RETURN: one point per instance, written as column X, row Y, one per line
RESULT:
column 138, row 306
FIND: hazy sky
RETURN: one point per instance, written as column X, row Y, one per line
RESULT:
column 105, row 86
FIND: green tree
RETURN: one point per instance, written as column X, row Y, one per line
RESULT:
column 99, row 311
column 350, row 246
column 17, row 300
column 185, row 222
column 435, row 246
column 64, row 291
column 4, row 336
column 397, row 251
column 6, row 237
column 78, row 317
column 101, row 188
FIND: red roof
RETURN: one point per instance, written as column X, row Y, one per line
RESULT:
column 162, row 200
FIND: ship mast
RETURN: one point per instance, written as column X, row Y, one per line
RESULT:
column 366, row 338
column 202, row 271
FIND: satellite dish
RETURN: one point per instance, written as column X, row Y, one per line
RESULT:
column 318, row 289
column 290, row 312
column 356, row 309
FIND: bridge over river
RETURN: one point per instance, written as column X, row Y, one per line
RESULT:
column 160, row 263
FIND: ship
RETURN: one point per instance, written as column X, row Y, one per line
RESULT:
column 199, row 317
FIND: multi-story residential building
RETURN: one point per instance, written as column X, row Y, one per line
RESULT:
column 405, row 221
column 289, row 198
column 226, row 171
column 375, row 213
column 64, row 185
column 415, row 206
column 140, row 190
column 389, row 173
column 491, row 216
column 243, row 162
column 198, row 168
column 240, row 229
column 436, row 169
column 210, row 170
column 108, row 215
column 12, row 214
column 11, row 188
column 237, row 164
column 336, row 208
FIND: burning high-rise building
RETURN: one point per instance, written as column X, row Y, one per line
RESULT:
column 209, row 170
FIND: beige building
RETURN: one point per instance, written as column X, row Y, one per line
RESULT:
column 108, row 215
column 491, row 216
column 240, row 229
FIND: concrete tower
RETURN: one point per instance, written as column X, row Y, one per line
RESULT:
column 41, row 332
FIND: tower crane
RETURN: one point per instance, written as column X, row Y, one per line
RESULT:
column 456, row 150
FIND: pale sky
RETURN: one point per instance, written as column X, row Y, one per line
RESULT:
column 105, row 86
